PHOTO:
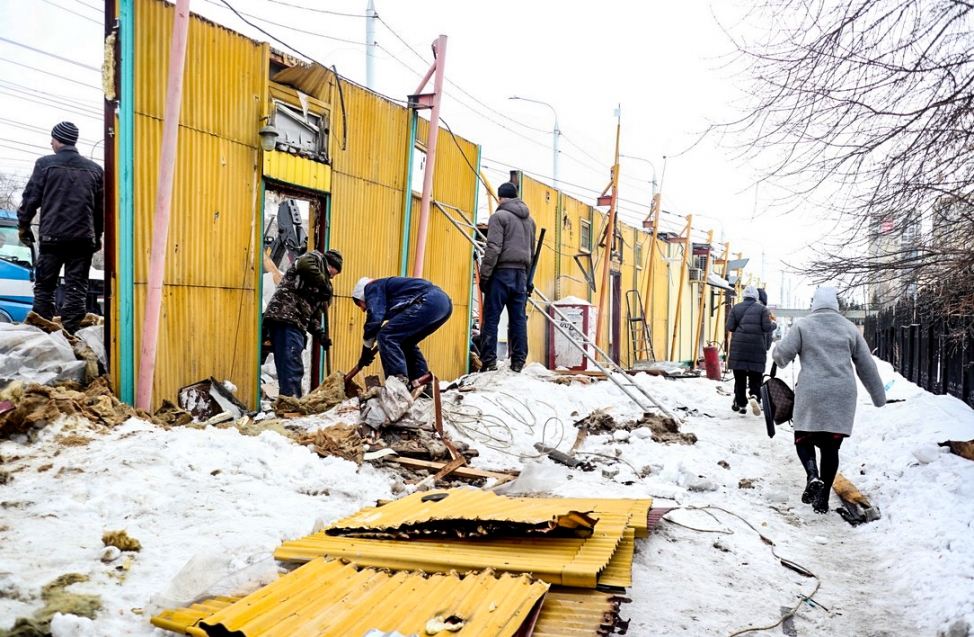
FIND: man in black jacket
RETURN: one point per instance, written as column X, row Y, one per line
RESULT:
column 69, row 191
column 504, row 278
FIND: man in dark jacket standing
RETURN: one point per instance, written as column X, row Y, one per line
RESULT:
column 400, row 313
column 301, row 298
column 504, row 278
column 748, row 321
column 69, row 191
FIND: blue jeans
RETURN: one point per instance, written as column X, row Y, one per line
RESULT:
column 399, row 338
column 508, row 288
column 288, row 343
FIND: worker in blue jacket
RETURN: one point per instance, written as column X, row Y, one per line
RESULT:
column 400, row 312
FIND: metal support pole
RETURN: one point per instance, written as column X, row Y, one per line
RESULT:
column 160, row 225
column 370, row 16
column 439, row 51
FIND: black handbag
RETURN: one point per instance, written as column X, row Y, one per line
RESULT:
column 777, row 401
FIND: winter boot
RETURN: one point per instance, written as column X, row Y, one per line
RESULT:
column 821, row 503
column 813, row 491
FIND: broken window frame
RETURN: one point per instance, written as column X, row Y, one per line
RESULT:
column 316, row 123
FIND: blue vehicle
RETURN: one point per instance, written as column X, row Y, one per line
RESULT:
column 16, row 271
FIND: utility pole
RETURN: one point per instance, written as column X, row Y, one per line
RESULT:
column 370, row 16
column 555, row 137
column 610, row 230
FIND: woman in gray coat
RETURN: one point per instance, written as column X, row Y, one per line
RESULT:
column 749, row 321
column 829, row 346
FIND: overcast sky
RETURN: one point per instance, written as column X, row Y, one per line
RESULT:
column 667, row 65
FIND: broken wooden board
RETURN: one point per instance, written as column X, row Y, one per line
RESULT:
column 461, row 472
column 856, row 508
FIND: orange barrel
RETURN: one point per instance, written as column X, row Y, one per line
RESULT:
column 711, row 363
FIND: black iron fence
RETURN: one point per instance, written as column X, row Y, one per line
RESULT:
column 926, row 347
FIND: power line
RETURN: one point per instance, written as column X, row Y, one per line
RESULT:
column 454, row 84
column 53, row 55
column 66, row 107
column 22, row 88
column 285, row 26
column 100, row 9
column 37, row 129
column 50, row 98
column 80, row 15
column 61, row 77
column 338, row 13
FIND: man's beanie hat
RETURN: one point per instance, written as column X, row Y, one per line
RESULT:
column 66, row 133
column 334, row 259
column 507, row 190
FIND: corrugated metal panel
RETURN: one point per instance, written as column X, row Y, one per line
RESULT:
column 618, row 572
column 416, row 511
column 567, row 561
column 637, row 509
column 542, row 200
column 223, row 68
column 326, row 598
column 449, row 255
column 660, row 302
column 566, row 612
column 212, row 267
column 578, row 612
column 297, row 171
column 571, row 279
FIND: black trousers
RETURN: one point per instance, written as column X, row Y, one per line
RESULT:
column 828, row 445
column 743, row 379
column 75, row 257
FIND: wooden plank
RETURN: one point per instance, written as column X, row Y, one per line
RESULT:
column 463, row 472
column 449, row 468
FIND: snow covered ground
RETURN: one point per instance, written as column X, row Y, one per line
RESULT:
column 218, row 503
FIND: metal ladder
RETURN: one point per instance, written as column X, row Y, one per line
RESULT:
column 613, row 372
column 640, row 342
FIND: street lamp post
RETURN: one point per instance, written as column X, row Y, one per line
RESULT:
column 651, row 165
column 555, row 135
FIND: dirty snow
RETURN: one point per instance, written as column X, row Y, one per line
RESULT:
column 216, row 503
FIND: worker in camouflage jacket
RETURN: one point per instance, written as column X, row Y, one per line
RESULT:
column 297, row 307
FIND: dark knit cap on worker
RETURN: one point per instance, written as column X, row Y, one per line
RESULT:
column 507, row 190
column 66, row 133
column 334, row 259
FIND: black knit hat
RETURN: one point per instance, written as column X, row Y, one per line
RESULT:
column 507, row 190
column 334, row 259
column 66, row 133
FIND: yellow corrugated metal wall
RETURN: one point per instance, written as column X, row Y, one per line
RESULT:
column 368, row 182
column 542, row 200
column 209, row 311
column 659, row 304
column 571, row 280
column 449, row 256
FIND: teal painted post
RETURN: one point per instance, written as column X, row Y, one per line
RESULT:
column 473, row 252
column 408, row 205
column 125, row 270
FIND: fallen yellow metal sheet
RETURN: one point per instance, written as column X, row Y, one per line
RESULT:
column 328, row 598
column 618, row 572
column 566, row 612
column 464, row 513
column 637, row 508
column 567, row 561
column 578, row 612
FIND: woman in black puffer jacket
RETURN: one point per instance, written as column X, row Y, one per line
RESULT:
column 749, row 321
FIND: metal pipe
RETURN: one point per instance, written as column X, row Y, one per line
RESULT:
column 703, row 286
column 160, row 225
column 439, row 49
column 683, row 277
column 609, row 234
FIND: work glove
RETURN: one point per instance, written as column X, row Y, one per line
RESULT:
column 97, row 244
column 484, row 284
column 530, row 289
column 26, row 235
column 325, row 342
column 366, row 358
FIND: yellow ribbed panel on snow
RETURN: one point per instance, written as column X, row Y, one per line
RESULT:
column 565, row 561
column 416, row 511
column 566, row 612
column 327, row 598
